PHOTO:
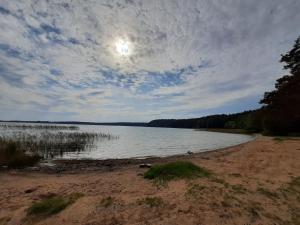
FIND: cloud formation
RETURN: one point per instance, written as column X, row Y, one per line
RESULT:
column 188, row 58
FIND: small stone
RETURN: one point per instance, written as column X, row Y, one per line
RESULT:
column 190, row 152
column 144, row 165
column 30, row 190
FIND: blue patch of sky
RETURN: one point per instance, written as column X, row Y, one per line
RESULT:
column 155, row 80
column 55, row 72
column 53, row 34
column 12, row 78
column 14, row 52
column 240, row 105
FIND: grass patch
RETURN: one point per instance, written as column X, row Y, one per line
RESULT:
column 268, row 193
column 106, row 202
column 52, row 205
column 176, row 170
column 151, row 201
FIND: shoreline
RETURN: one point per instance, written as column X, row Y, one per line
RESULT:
column 82, row 165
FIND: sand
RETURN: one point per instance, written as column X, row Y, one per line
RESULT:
column 252, row 183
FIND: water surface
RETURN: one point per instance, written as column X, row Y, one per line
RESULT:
column 148, row 141
column 139, row 141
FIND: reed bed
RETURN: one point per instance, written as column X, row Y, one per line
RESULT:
column 52, row 144
column 13, row 155
column 38, row 127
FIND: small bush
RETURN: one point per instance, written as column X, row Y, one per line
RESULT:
column 52, row 205
column 175, row 170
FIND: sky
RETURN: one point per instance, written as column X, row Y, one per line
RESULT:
column 111, row 61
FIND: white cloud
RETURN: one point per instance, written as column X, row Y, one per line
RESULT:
column 241, row 40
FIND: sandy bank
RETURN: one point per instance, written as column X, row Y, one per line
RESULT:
column 251, row 185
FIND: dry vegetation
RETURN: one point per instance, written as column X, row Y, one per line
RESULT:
column 24, row 145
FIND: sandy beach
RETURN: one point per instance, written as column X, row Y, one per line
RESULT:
column 253, row 183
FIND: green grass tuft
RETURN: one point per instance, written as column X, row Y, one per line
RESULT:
column 175, row 170
column 52, row 205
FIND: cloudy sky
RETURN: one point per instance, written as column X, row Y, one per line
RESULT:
column 97, row 60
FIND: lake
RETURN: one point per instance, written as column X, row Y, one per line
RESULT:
column 147, row 141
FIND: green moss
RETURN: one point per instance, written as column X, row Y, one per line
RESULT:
column 175, row 170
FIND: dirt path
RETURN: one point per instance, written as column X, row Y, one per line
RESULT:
column 253, row 183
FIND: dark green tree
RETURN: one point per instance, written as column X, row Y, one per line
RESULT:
column 282, row 106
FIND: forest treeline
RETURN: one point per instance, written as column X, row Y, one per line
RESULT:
column 279, row 114
column 245, row 120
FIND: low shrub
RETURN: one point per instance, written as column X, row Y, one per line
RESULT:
column 175, row 170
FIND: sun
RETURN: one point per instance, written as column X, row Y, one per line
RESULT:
column 123, row 47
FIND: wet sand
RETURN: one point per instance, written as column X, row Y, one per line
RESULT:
column 252, row 183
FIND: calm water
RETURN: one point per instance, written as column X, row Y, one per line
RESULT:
column 147, row 141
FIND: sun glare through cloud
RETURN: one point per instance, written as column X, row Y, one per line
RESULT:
column 123, row 47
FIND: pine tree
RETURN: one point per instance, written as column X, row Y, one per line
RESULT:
column 282, row 106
